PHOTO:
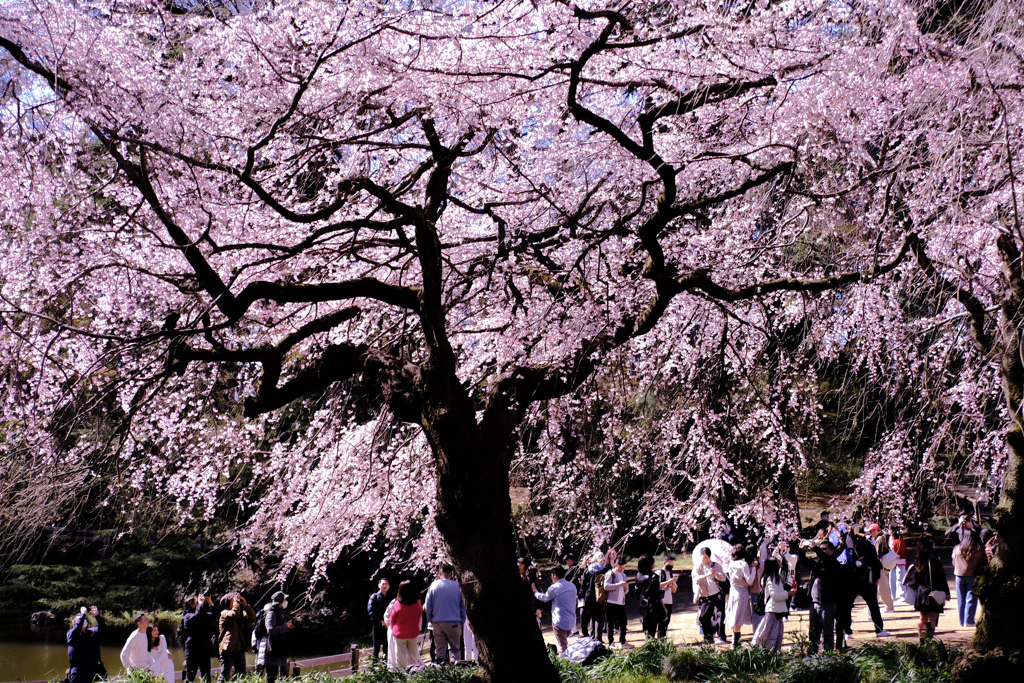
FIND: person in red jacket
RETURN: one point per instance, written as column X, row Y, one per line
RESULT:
column 405, row 621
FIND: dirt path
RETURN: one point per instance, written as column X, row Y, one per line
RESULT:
column 683, row 629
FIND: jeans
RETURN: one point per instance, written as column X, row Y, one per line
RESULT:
column 232, row 664
column 966, row 600
column 823, row 621
column 896, row 587
column 755, row 618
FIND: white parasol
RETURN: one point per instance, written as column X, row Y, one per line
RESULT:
column 721, row 551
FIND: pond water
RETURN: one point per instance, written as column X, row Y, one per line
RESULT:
column 27, row 654
column 26, row 661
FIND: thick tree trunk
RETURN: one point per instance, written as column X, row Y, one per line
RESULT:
column 475, row 518
column 997, row 650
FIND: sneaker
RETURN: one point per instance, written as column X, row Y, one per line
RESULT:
column 721, row 641
column 883, row 634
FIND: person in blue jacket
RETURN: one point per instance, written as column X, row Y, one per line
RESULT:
column 84, row 648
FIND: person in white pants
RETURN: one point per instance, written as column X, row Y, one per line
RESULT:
column 160, row 661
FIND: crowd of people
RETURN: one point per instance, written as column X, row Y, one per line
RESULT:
column 205, row 632
column 822, row 571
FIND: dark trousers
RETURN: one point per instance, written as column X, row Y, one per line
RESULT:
column 616, row 616
column 232, row 664
column 81, row 675
column 844, row 616
column 869, row 591
column 380, row 640
column 593, row 619
column 663, row 626
column 198, row 663
column 712, row 616
column 274, row 670
column 822, row 622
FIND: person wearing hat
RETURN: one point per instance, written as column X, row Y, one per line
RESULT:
column 135, row 653
column 528, row 575
column 274, row 649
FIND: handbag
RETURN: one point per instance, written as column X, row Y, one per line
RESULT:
column 925, row 600
column 759, row 605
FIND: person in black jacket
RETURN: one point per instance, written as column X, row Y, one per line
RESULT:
column 200, row 627
column 825, row 587
column 926, row 583
column 84, row 648
column 867, row 572
column 650, row 595
column 375, row 608
column 574, row 575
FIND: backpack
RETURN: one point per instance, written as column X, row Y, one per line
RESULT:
column 585, row 651
column 599, row 592
column 259, row 631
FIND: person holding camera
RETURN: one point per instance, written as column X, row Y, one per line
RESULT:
column 198, row 628
column 84, row 647
column 825, row 589
column 235, row 617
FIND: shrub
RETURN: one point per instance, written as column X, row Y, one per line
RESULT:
column 570, row 672
column 692, row 664
column 821, row 669
column 443, row 674
column 649, row 658
column 378, row 672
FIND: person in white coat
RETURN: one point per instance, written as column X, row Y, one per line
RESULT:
column 160, row 661
column 772, row 629
column 135, row 653
column 737, row 610
column 888, row 557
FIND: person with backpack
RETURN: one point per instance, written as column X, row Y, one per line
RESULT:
column 235, row 618
column 197, row 627
column 707, row 593
column 272, row 633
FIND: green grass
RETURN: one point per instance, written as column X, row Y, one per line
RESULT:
column 658, row 661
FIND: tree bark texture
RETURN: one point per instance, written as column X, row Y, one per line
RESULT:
column 475, row 517
column 996, row 649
